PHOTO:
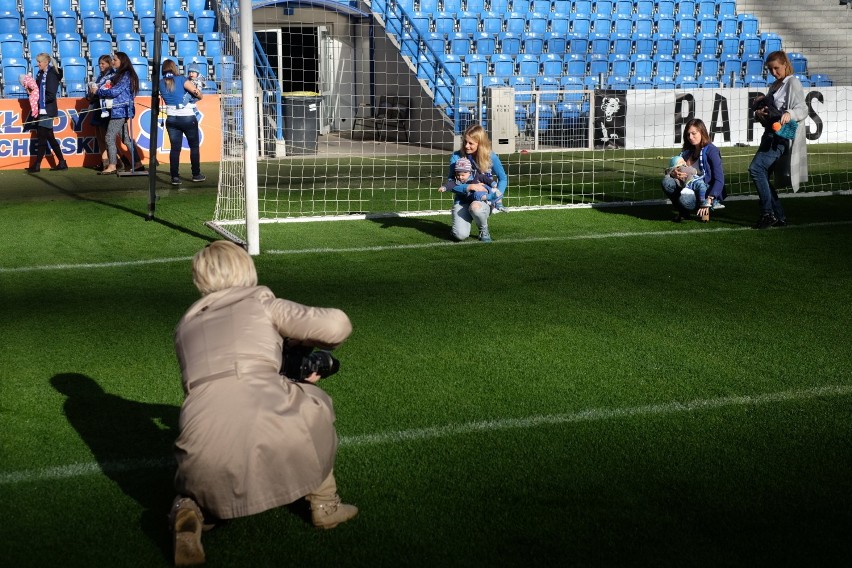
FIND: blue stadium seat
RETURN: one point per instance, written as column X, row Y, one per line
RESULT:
column 196, row 6
column 752, row 64
column 528, row 65
column 799, row 61
column 408, row 46
column 13, row 68
column 601, row 23
column 516, row 22
column 731, row 63
column 727, row 8
column 468, row 22
column 551, row 64
column 583, row 6
column 708, row 82
column 436, row 42
column 130, row 43
column 12, row 46
column 537, row 22
column 492, row 22
column 730, row 44
column 520, row 5
column 475, row 64
column 452, row 63
column 68, row 45
column 664, row 83
column 99, row 44
column 76, row 89
column 31, row 5
column 618, row 82
column 581, row 24
column 643, row 43
column 603, row 6
column 750, row 44
column 500, row 6
column 145, row 87
column 177, row 21
column 771, row 42
column 485, row 43
column 548, row 88
column 172, row 6
column 10, row 23
column 533, row 43
column 560, row 23
column 541, row 6
column 39, row 43
column 502, row 65
column 708, row 44
column 64, row 22
column 140, row 65
column 664, row 67
column 444, row 22
column 36, row 21
column 599, row 43
column 14, row 90
column 510, row 43
column 663, row 44
column 622, row 44
column 113, row 6
column 521, row 113
column 75, row 69
column 806, row 82
column 572, row 83
column 619, row 64
column 687, row 65
column 642, row 65
column 686, row 43
column 687, row 83
column 623, row 7
column 522, row 84
column 708, row 25
column 687, row 25
column 641, row 83
column 213, row 44
column 598, row 64
column 92, row 23
column 578, row 43
column 85, row 6
column 460, row 44
column 647, row 7
column 555, row 43
column 146, row 21
column 821, row 80
column 708, row 65
column 623, row 24
column 575, row 64
column 186, row 44
column 223, row 67
column 122, row 22
column 748, row 24
column 728, row 25
column 756, row 81
column 545, row 117
column 685, row 8
column 706, row 8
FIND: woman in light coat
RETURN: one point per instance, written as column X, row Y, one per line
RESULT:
column 786, row 159
column 250, row 439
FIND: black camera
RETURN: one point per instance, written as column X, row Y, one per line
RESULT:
column 301, row 361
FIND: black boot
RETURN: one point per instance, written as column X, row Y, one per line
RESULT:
column 62, row 165
column 34, row 169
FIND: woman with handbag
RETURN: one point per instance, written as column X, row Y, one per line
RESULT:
column 786, row 159
column 47, row 79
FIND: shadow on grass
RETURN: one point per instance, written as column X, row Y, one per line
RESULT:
column 431, row 227
column 119, row 432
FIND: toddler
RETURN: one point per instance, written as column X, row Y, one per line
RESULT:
column 463, row 170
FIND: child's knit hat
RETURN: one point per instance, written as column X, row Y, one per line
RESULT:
column 674, row 161
column 463, row 165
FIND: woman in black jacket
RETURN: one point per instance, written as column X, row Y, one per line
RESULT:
column 48, row 85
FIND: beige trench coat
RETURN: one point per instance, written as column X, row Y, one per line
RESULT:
column 792, row 167
column 251, row 440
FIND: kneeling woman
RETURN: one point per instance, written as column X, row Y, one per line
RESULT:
column 701, row 154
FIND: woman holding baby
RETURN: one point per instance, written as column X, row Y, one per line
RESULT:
column 700, row 158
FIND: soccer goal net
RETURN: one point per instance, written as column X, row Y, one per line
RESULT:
column 359, row 105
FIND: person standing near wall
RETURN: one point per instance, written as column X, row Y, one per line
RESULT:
column 123, row 89
column 179, row 95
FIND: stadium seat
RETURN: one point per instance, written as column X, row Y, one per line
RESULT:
column 172, row 6
column 578, row 43
column 485, row 43
column 708, row 82
column 623, row 7
column 664, row 83
column 36, row 21
column 502, row 65
column 728, row 25
column 708, row 65
column 492, row 22
column 515, row 22
column 685, row 8
column 623, row 24
column 727, row 8
column 92, row 23
column 730, row 44
column 186, row 44
column 706, row 8
column 520, row 5
column 99, row 44
column 460, row 44
column 598, row 64
column 444, row 23
column 64, row 22
column 752, row 64
column 452, row 63
column 708, row 44
column 468, row 22
column 76, row 89
column 799, row 61
column 499, row 6
column 409, row 47
column 687, row 83
column 13, row 68
column 85, row 6
column 806, row 82
column 223, row 67
column 664, row 24
column 14, row 90
column 603, row 6
column 573, row 83
column 731, row 63
column 528, row 65
column 771, row 42
column 620, row 65
column 648, row 8
column 821, row 80
column 31, row 5
column 551, row 64
column 475, row 65
column 145, row 87
column 537, row 23
column 581, row 24
column 687, row 66
column 687, row 25
column 750, row 44
column 555, row 43
column 510, row 43
column 533, row 43
column 574, row 64
column 599, row 43
column 664, row 67
column 196, row 6
column 542, row 6
column 10, row 23
column 122, row 22
column 756, row 81
column 68, row 45
column 708, row 25
column 643, row 43
column 213, row 44
column 559, row 23
column 583, row 6
column 641, row 83
column 75, row 69
column 601, row 23
column 140, row 65
column 177, row 21
column 146, row 21
column 435, row 42
column 686, row 43
column 523, row 88
column 748, row 24
column 11, row 46
column 39, row 43
column 621, row 44
column 130, row 43
column 641, row 65
column 663, row 45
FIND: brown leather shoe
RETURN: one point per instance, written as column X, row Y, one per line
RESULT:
column 329, row 514
column 187, row 523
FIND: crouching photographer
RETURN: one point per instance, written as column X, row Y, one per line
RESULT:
column 251, row 440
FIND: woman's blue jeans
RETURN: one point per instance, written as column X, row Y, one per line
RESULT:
column 762, row 165
column 178, row 127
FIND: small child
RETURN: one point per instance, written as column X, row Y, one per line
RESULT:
column 694, row 182
column 28, row 83
column 106, row 102
column 194, row 75
column 463, row 170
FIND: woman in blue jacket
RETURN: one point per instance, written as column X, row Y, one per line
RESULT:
column 122, row 89
column 701, row 154
column 179, row 95
column 476, row 147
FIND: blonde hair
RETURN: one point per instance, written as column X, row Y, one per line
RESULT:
column 483, row 151
column 221, row 265
column 781, row 57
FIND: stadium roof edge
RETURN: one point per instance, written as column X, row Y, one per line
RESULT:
column 348, row 8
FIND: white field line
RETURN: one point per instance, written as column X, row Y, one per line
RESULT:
column 496, row 425
column 434, row 244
